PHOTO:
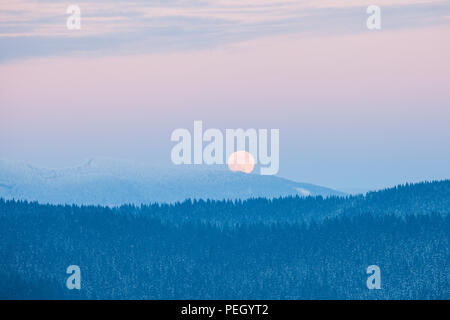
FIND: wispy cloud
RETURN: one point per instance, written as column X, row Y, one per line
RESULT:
column 35, row 28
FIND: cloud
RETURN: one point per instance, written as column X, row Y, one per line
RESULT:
column 36, row 28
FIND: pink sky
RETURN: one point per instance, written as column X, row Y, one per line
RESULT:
column 350, row 107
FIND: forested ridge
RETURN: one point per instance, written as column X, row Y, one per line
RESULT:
column 286, row 248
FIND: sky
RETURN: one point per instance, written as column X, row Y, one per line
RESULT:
column 357, row 109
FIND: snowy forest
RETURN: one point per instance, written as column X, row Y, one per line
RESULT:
column 284, row 248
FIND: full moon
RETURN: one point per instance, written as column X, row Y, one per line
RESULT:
column 241, row 161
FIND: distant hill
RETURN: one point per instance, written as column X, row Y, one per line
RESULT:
column 424, row 198
column 115, row 182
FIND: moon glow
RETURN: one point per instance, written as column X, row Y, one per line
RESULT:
column 241, row 161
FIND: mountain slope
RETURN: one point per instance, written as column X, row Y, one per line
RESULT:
column 114, row 182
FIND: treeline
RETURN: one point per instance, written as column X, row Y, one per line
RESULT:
column 139, row 253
